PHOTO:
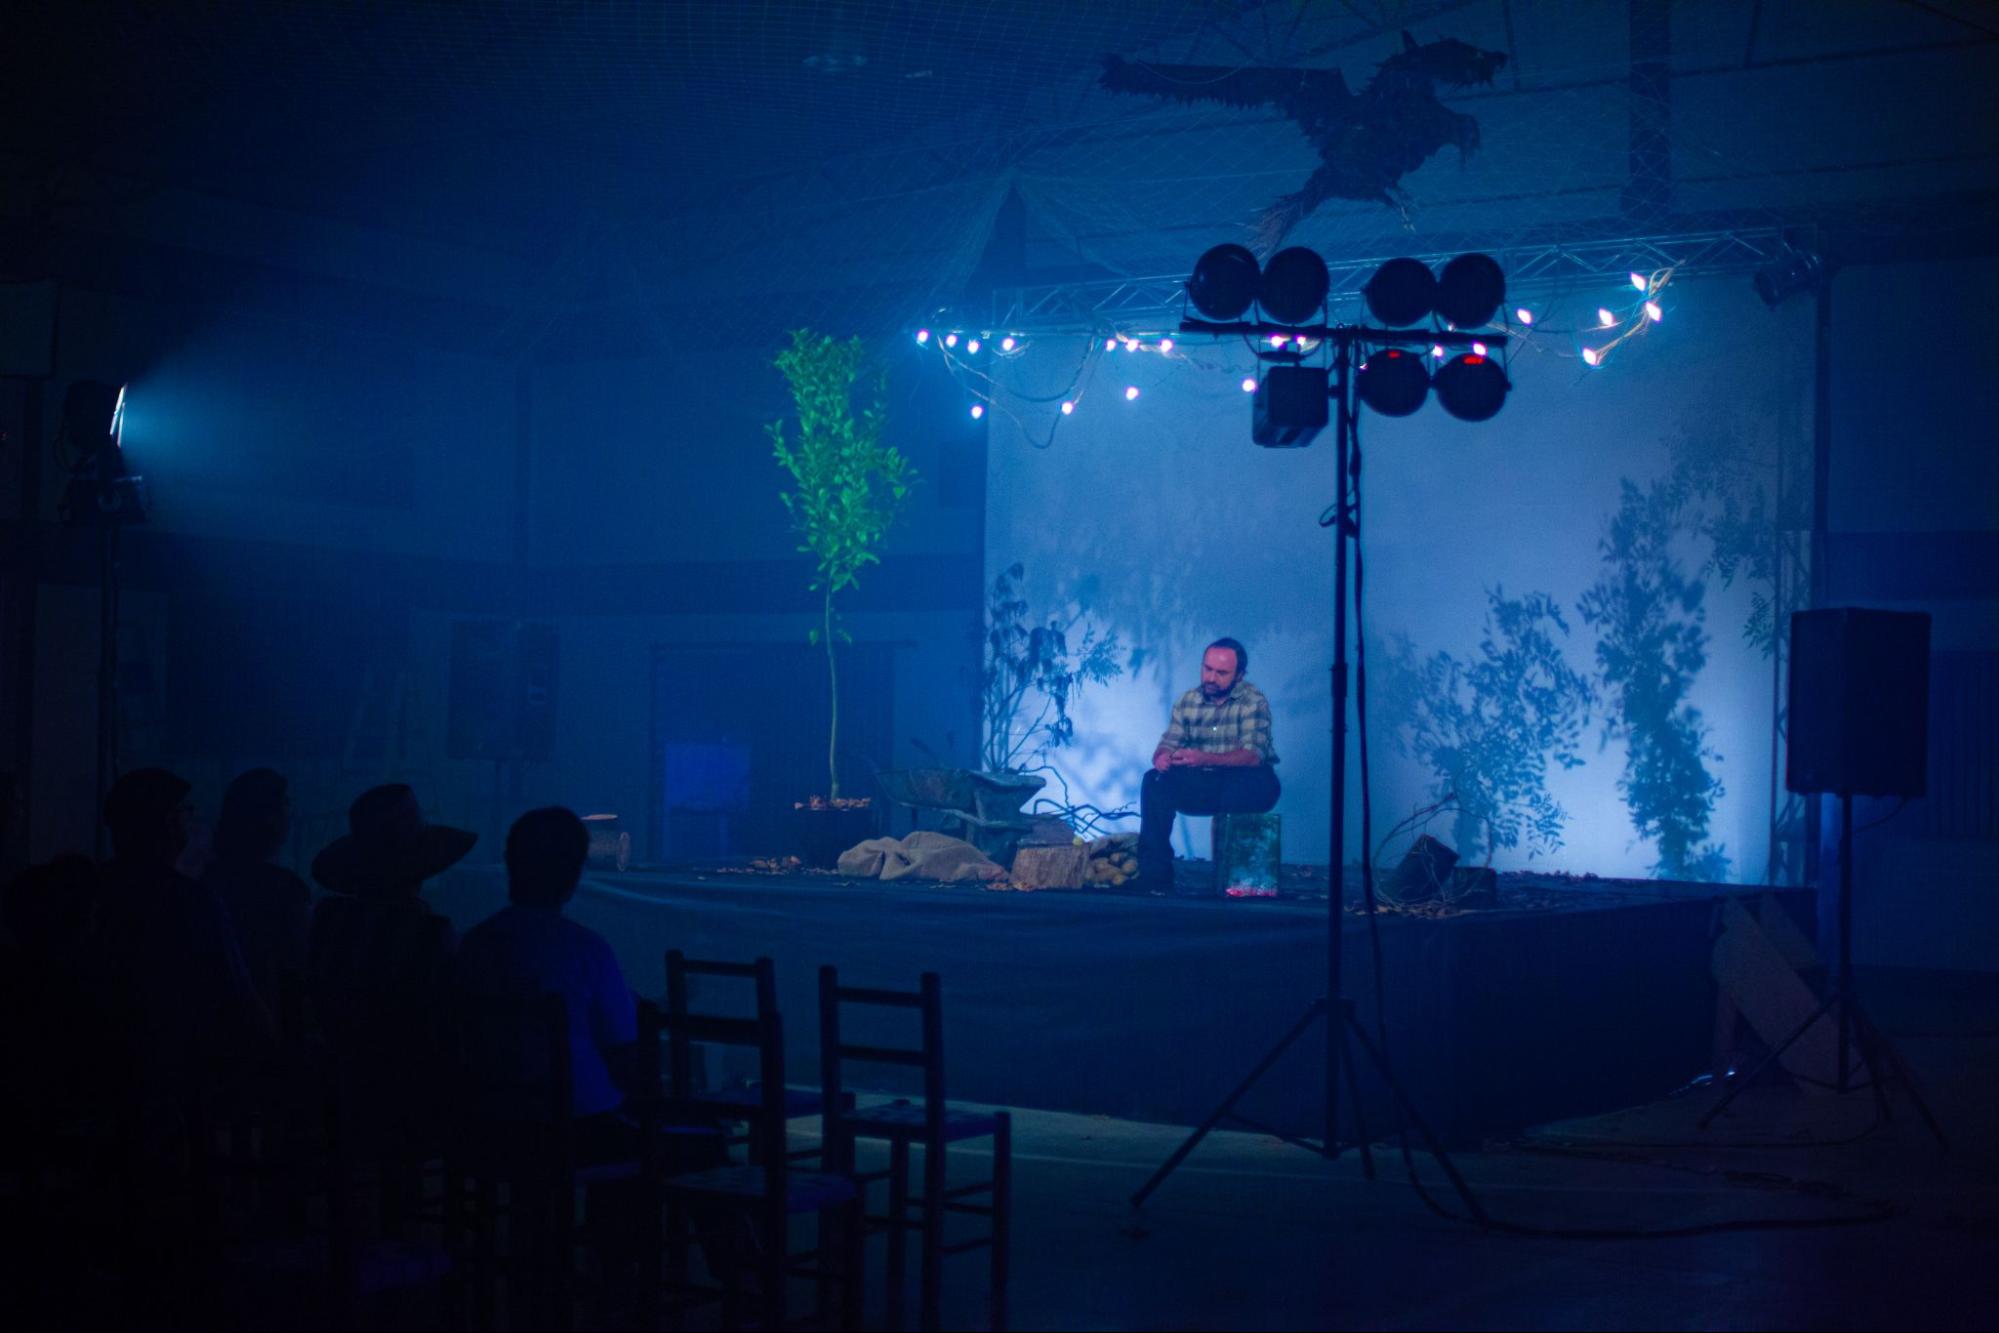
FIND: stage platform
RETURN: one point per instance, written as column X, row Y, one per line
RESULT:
column 1571, row 996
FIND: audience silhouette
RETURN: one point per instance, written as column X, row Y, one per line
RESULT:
column 271, row 906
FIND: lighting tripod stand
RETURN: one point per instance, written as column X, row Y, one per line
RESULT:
column 1343, row 1031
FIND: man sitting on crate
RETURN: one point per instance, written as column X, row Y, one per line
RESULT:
column 1215, row 758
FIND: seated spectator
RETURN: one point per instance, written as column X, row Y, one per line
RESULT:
column 529, row 948
column 270, row 905
column 378, row 960
column 172, row 971
column 378, row 975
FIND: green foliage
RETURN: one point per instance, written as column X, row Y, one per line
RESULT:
column 1022, row 658
column 1488, row 727
column 846, row 484
column 1651, row 644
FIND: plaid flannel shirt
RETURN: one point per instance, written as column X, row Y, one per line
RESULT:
column 1239, row 720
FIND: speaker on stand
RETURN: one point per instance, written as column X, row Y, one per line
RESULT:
column 1859, row 725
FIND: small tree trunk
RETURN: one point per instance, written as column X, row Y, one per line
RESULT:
column 833, row 701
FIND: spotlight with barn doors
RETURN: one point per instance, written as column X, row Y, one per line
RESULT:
column 1387, row 370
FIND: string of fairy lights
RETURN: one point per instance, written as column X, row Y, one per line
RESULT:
column 1596, row 331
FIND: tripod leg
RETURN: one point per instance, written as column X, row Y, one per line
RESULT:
column 1430, row 1142
column 1353, row 1094
column 1215, row 1117
column 1882, row 1056
column 1768, row 1062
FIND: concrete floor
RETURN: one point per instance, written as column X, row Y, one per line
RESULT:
column 1254, row 1233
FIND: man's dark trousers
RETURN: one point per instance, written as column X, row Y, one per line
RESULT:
column 1193, row 791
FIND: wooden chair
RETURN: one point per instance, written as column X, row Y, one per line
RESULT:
column 737, row 1104
column 933, row 1124
column 512, row 1123
column 766, row 1190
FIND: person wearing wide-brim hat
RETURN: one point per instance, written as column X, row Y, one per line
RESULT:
column 389, row 848
column 380, row 964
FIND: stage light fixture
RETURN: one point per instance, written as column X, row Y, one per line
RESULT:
column 1294, row 287
column 1471, row 387
column 1392, row 381
column 1799, row 271
column 100, row 490
column 1437, row 351
column 1401, row 292
column 1224, row 282
column 1470, row 290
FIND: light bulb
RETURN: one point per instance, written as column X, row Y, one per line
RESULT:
column 978, row 410
column 1067, row 408
column 1524, row 315
column 950, row 340
column 1130, row 392
column 1638, row 282
column 1165, row 344
column 923, row 335
column 1249, row 384
column 1591, row 357
column 1007, row 344
column 973, row 346
column 1653, row 312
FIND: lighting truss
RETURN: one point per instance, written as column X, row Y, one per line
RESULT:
column 1151, row 306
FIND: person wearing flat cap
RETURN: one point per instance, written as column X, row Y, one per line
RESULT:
column 379, row 962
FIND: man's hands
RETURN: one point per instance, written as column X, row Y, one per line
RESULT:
column 1167, row 756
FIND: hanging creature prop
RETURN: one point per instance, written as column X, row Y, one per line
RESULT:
column 1367, row 141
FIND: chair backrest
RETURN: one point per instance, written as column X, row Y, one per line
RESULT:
column 680, row 970
column 764, row 1034
column 927, row 1055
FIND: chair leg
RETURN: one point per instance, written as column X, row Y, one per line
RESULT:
column 898, row 1231
column 1002, row 1216
column 776, row 1253
column 931, row 1264
column 676, row 1263
column 487, row 1247
column 853, row 1241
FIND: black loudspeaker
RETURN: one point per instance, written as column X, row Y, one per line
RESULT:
column 1859, row 702
column 1289, row 407
column 502, row 690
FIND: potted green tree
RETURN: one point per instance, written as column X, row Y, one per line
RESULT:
column 846, row 487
